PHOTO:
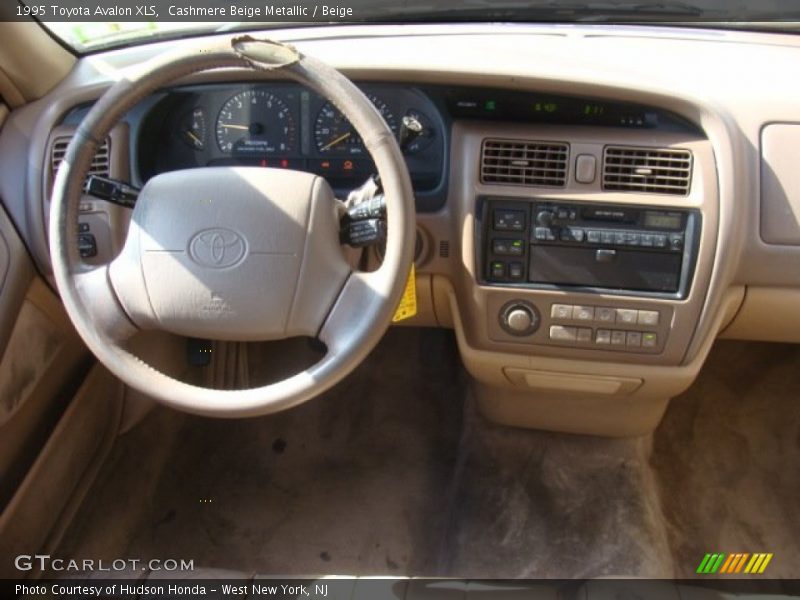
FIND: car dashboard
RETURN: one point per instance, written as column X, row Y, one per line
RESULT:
column 594, row 209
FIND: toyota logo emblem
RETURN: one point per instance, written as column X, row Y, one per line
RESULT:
column 217, row 248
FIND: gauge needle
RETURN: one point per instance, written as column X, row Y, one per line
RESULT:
column 191, row 134
column 244, row 127
column 341, row 138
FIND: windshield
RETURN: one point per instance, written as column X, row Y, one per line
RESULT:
column 82, row 26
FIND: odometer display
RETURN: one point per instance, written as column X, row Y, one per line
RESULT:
column 256, row 123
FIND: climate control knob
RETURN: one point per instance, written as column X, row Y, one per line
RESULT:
column 519, row 318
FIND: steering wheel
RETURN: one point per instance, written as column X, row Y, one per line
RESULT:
column 233, row 253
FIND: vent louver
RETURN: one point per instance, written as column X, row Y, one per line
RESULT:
column 530, row 163
column 100, row 162
column 652, row 170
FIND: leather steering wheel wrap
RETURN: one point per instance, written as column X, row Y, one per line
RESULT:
column 165, row 278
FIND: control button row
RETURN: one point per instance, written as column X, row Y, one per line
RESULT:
column 514, row 247
column 643, row 239
column 629, row 339
column 604, row 337
column 509, row 220
column 605, row 314
column 499, row 269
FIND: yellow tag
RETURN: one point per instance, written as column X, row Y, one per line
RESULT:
column 408, row 303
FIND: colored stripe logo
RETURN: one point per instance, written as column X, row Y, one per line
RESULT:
column 731, row 564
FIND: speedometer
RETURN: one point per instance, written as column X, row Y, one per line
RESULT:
column 254, row 123
column 334, row 134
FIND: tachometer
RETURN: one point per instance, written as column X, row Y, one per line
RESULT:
column 256, row 122
column 334, row 134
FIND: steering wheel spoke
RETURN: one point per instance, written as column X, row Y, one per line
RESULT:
column 96, row 289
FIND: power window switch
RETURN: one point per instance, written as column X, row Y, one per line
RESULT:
column 561, row 311
column 559, row 333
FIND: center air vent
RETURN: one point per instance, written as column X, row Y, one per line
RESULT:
column 653, row 170
column 524, row 163
column 100, row 162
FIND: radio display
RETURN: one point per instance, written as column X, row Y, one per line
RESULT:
column 663, row 220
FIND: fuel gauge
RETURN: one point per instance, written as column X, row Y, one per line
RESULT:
column 193, row 129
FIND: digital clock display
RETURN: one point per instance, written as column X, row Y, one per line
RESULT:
column 660, row 220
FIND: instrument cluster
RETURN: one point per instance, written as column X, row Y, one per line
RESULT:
column 283, row 125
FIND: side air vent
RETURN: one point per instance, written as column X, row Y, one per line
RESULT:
column 511, row 162
column 653, row 170
column 100, row 162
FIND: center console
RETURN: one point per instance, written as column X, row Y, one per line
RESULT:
column 579, row 293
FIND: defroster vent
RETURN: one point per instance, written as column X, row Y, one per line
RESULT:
column 531, row 163
column 651, row 170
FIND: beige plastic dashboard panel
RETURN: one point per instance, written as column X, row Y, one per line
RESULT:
column 767, row 314
column 505, row 396
column 780, row 184
column 480, row 304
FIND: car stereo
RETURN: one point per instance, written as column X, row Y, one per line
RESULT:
column 605, row 247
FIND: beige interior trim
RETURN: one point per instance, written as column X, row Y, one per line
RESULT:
column 768, row 314
column 51, row 493
column 633, row 409
column 32, row 62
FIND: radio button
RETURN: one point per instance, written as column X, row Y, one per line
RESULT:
column 620, row 237
column 593, row 236
column 617, row 338
column 572, row 234
column 648, row 317
column 627, row 316
column 647, row 240
column 607, row 237
column 561, row 311
column 633, row 339
column 605, row 315
column 583, row 313
column 603, row 337
column 632, row 239
column 660, row 240
column 584, row 335
column 562, row 213
column 559, row 333
column 509, row 220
